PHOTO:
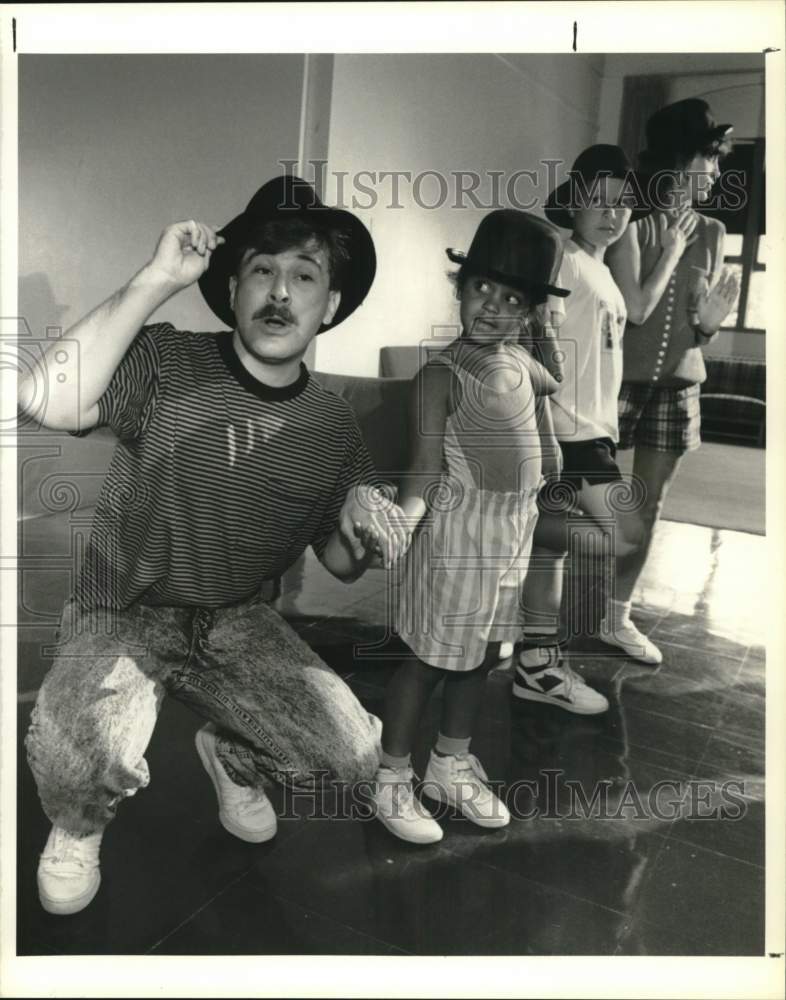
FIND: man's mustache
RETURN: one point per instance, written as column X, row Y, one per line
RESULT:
column 274, row 312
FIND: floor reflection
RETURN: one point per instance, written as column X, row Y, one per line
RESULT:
column 640, row 831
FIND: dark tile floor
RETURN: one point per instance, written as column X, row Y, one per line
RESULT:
column 669, row 860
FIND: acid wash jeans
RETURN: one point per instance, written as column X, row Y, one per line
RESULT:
column 279, row 711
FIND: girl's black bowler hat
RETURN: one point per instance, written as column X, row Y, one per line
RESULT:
column 281, row 199
column 685, row 128
column 516, row 249
column 601, row 160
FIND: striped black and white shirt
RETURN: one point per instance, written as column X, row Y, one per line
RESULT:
column 218, row 481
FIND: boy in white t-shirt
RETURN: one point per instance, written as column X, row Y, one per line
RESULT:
column 597, row 203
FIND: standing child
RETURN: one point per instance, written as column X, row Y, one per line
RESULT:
column 670, row 270
column 471, row 491
column 594, row 205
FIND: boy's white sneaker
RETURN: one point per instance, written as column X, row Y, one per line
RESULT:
column 400, row 811
column 68, row 871
column 244, row 811
column 628, row 638
column 555, row 683
column 460, row 781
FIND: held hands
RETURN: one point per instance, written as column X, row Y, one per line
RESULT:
column 183, row 252
column 374, row 525
column 714, row 304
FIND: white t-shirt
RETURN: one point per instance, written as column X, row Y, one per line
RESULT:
column 585, row 404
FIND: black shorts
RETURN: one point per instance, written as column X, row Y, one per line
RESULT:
column 592, row 461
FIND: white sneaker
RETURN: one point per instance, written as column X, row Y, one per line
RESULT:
column 68, row 871
column 460, row 781
column 244, row 811
column 399, row 810
column 506, row 650
column 556, row 684
column 627, row 637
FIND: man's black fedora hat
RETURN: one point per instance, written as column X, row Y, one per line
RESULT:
column 284, row 198
column 685, row 127
column 516, row 249
column 601, row 160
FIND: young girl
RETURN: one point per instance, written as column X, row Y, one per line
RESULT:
column 670, row 272
column 596, row 205
column 475, row 474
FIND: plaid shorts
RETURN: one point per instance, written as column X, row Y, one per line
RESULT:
column 659, row 417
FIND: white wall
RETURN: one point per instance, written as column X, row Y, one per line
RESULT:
column 441, row 113
column 716, row 76
column 734, row 97
column 112, row 148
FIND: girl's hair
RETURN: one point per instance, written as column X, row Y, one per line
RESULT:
column 279, row 235
column 651, row 162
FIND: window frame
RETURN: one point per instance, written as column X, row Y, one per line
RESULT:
column 748, row 258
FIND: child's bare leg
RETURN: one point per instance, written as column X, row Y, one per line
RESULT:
column 454, row 776
column 396, row 807
column 541, row 673
column 541, row 595
column 407, row 695
column 462, row 697
column 629, row 545
column 594, row 502
column 542, row 592
column 656, row 471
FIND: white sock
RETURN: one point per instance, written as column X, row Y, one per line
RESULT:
column 618, row 613
column 394, row 763
column 451, row 746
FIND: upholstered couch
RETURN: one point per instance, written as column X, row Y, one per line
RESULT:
column 733, row 406
column 733, row 400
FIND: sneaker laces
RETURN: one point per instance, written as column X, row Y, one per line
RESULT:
column 242, row 797
column 72, row 855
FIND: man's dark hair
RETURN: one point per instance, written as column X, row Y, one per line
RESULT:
column 279, row 235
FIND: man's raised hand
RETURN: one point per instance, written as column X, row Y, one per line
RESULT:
column 183, row 252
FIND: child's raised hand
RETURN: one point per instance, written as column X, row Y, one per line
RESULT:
column 715, row 305
column 674, row 237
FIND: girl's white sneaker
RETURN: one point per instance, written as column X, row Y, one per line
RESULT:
column 400, row 811
column 460, row 781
